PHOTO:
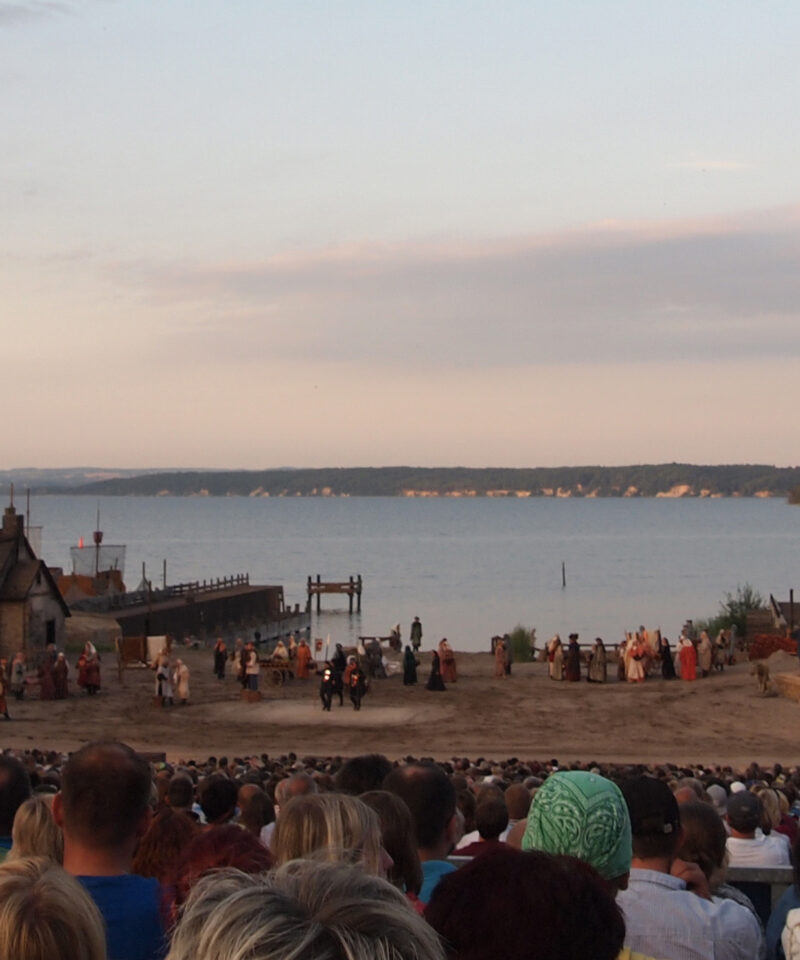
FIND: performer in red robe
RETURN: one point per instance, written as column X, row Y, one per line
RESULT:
column 688, row 658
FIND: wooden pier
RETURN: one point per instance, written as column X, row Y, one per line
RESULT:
column 351, row 587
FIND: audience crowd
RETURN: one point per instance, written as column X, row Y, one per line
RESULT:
column 106, row 856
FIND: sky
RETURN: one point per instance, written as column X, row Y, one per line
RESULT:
column 258, row 233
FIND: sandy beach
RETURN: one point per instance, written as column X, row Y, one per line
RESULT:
column 722, row 719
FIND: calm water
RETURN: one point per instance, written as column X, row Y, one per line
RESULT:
column 468, row 568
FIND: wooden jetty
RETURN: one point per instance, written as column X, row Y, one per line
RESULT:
column 351, row 587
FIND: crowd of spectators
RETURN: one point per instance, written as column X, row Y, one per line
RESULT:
column 106, row 855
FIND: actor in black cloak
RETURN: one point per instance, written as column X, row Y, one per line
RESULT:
column 435, row 681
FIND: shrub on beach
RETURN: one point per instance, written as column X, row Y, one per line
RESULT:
column 522, row 641
column 733, row 611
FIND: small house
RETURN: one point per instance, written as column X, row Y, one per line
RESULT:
column 32, row 611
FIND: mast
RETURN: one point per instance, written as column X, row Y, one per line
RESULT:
column 98, row 539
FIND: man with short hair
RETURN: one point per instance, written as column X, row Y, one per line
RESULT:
column 431, row 798
column 15, row 788
column 180, row 794
column 218, row 795
column 104, row 810
column 491, row 820
column 668, row 909
column 747, row 846
column 363, row 773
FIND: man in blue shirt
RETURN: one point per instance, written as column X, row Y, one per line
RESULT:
column 431, row 798
column 103, row 810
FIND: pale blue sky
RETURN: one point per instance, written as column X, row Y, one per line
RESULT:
column 507, row 233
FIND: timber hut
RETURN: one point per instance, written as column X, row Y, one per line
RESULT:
column 32, row 611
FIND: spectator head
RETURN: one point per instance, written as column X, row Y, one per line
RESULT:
column 45, row 914
column 466, row 803
column 744, row 812
column 256, row 810
column 491, row 819
column 105, row 796
column 771, row 809
column 517, row 905
column 431, row 798
column 518, row 801
column 304, row 909
column 298, row 785
column 718, row 796
column 15, row 788
column 360, row 774
column 180, row 792
column 329, row 826
column 655, row 817
column 397, row 835
column 585, row 816
column 703, row 841
column 218, row 797
column 163, row 845
column 226, row 846
column 35, row 833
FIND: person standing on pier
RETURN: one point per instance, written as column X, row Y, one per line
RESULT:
column 573, row 660
column 416, row 634
column 220, row 656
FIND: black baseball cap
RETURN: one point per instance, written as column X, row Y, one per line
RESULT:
column 744, row 811
column 652, row 807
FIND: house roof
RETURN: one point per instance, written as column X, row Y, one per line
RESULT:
column 21, row 577
column 19, row 580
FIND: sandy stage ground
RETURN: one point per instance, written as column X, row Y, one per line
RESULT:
column 721, row 719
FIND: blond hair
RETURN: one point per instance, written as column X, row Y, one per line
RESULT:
column 318, row 911
column 329, row 827
column 35, row 833
column 45, row 914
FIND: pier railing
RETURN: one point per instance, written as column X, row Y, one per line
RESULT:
column 139, row 598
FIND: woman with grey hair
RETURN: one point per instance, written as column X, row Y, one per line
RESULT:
column 313, row 910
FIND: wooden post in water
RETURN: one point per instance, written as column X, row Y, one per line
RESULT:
column 791, row 611
column 358, row 604
column 563, row 574
column 350, row 594
column 319, row 594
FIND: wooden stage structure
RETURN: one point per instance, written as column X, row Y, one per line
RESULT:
column 351, row 588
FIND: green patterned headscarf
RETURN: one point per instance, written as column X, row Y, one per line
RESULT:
column 583, row 815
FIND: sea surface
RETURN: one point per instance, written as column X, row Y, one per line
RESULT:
column 469, row 568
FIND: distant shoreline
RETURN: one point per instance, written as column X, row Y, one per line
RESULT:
column 656, row 481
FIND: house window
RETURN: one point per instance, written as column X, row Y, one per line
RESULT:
column 50, row 627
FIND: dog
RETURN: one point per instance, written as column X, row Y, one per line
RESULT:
column 760, row 671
